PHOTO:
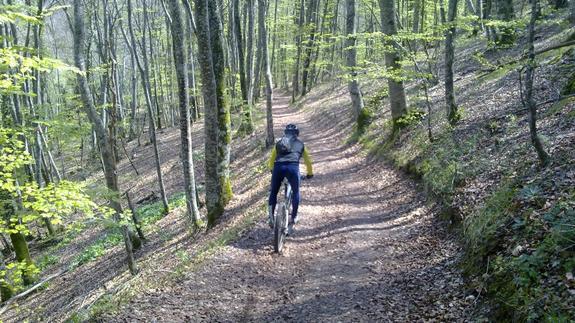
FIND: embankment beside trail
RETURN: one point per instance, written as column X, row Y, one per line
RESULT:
column 516, row 218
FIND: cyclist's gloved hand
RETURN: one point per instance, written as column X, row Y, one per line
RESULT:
column 308, row 176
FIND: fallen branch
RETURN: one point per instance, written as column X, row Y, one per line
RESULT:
column 492, row 69
column 29, row 291
column 522, row 110
column 561, row 98
column 565, row 44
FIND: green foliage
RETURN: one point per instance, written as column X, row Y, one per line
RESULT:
column 524, row 283
column 110, row 239
column 413, row 117
column 46, row 261
column 22, row 68
column 12, row 275
column 374, row 102
column 33, row 202
column 482, row 230
column 151, row 213
column 148, row 214
column 569, row 88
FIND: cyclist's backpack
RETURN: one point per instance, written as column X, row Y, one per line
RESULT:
column 284, row 145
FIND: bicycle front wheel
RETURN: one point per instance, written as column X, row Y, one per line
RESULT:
column 279, row 229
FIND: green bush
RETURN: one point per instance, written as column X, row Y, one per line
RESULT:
column 412, row 117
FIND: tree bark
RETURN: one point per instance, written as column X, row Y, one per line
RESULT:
column 185, row 118
column 218, row 186
column 143, row 67
column 351, row 62
column 268, row 73
column 311, row 22
column 23, row 256
column 246, row 72
column 416, row 15
column 135, row 217
column 396, row 88
column 452, row 113
column 529, row 101
column 106, row 149
column 295, row 83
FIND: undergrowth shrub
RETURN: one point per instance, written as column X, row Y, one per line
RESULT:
column 413, row 117
column 522, row 257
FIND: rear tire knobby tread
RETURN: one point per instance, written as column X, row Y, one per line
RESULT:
column 279, row 232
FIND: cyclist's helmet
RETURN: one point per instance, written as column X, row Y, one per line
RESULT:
column 291, row 129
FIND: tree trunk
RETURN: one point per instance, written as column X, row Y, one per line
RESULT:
column 295, row 83
column 258, row 72
column 246, row 126
column 529, row 77
column 452, row 113
column 23, row 256
column 396, row 88
column 416, row 15
column 217, row 117
column 135, row 217
column 351, row 62
column 311, row 22
column 268, row 73
column 134, row 100
column 106, row 149
column 143, row 67
column 251, row 47
column 185, row 119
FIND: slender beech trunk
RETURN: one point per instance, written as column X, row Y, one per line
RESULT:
column 247, row 123
column 452, row 113
column 268, row 73
column 178, row 37
column 416, row 15
column 143, row 67
column 250, row 58
column 210, row 52
column 258, row 71
column 135, row 219
column 351, row 62
column 295, row 83
column 134, row 99
column 192, row 74
column 312, row 23
column 106, row 148
column 275, row 38
column 529, row 101
column 392, row 58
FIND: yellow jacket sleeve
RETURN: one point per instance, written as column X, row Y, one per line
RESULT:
column 272, row 159
column 307, row 162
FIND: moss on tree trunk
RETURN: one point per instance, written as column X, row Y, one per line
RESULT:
column 23, row 256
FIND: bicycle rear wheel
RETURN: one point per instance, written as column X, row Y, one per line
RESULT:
column 279, row 228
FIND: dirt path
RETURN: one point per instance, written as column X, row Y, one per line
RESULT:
column 368, row 249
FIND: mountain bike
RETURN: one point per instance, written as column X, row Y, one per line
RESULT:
column 283, row 211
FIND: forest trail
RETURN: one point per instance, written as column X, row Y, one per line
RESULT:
column 368, row 248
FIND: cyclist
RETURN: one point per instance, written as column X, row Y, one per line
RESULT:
column 284, row 163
